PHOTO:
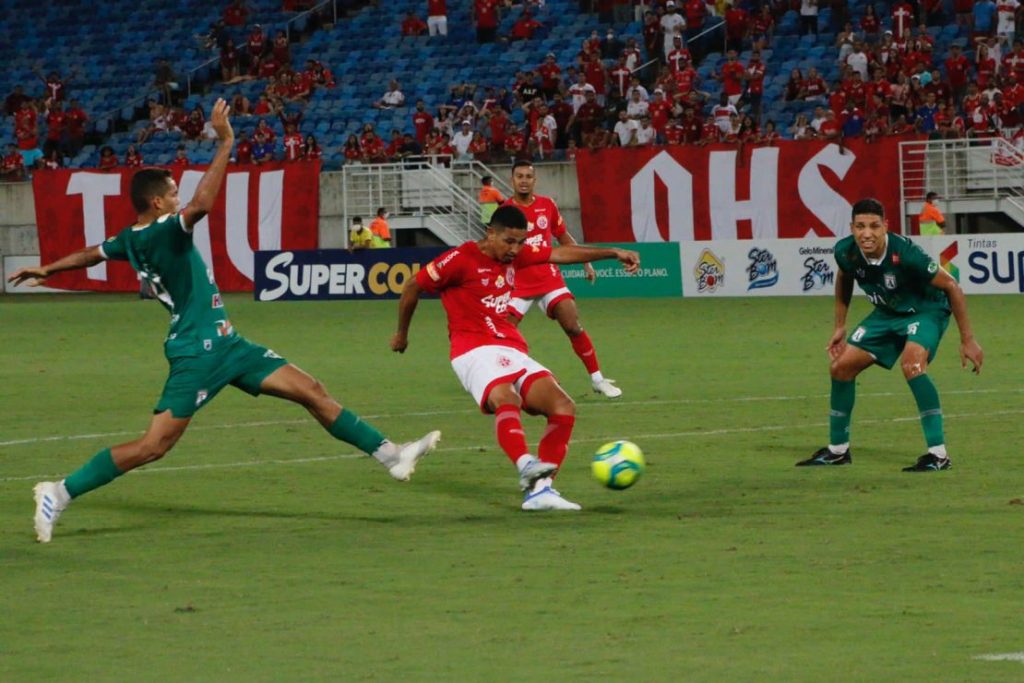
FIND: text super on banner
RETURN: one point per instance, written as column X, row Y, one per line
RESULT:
column 793, row 189
column 272, row 206
column 337, row 273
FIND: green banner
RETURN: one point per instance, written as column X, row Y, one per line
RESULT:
column 660, row 274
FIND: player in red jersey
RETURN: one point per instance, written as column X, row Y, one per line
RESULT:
column 489, row 355
column 544, row 283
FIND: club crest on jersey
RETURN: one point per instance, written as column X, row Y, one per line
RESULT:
column 201, row 396
column 217, row 301
column 510, row 276
column 895, row 259
column 890, row 281
column 504, row 361
column 542, row 222
column 208, row 344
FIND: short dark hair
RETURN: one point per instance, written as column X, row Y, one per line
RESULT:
column 507, row 217
column 357, row 219
column 146, row 184
column 930, row 196
column 520, row 163
column 382, row 210
column 868, row 205
column 486, row 180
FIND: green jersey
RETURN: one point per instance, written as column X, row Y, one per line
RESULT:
column 165, row 257
column 899, row 282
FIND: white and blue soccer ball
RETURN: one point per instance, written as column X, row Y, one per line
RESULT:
column 618, row 464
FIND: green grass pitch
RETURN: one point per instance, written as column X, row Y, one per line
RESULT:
column 262, row 550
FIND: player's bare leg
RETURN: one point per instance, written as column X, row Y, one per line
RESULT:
column 567, row 315
column 914, row 363
column 291, row 383
column 844, row 369
column 545, row 397
column 505, row 402
column 52, row 497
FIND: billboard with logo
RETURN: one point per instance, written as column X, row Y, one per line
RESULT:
column 758, row 267
column 659, row 274
column 337, row 273
column 795, row 189
column 273, row 206
column 983, row 264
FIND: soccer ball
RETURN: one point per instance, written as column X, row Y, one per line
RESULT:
column 618, row 464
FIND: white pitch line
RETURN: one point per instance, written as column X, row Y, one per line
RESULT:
column 1002, row 657
column 592, row 439
column 463, row 411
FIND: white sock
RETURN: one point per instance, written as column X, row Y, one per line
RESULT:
column 386, row 453
column 596, row 377
column 939, row 450
column 839, row 449
column 63, row 494
column 523, row 460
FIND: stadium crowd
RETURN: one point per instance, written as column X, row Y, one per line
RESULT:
column 670, row 87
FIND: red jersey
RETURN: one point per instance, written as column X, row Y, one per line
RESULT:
column 293, row 146
column 436, row 8
column 243, row 152
column 732, row 78
column 475, row 292
column 543, row 222
column 133, row 160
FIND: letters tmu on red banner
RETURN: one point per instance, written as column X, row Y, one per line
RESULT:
column 272, row 206
column 679, row 194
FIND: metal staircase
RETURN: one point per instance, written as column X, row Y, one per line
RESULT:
column 419, row 195
column 971, row 175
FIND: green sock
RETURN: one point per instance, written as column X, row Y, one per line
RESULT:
column 351, row 429
column 99, row 471
column 840, row 409
column 928, row 406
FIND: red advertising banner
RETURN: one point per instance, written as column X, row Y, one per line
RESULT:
column 685, row 193
column 268, row 207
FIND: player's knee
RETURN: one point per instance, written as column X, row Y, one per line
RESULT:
column 564, row 406
column 913, row 367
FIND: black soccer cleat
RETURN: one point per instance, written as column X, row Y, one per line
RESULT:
column 823, row 456
column 929, row 462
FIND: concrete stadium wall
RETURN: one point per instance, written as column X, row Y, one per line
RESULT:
column 18, row 212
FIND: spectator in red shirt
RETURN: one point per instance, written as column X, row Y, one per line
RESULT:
column 53, row 86
column 550, row 75
column 243, row 150
column 486, row 13
column 12, row 166
column 422, row 121
column 13, row 102
column 870, row 25
column 754, row 78
column 55, row 124
column 180, row 158
column 74, row 122
column 957, row 72
column 236, row 14
column 678, row 57
column 413, row 25
column 255, row 46
column 132, row 157
column 108, row 159
column 373, row 148
column 525, row 26
column 731, row 75
column 292, row 144
column 193, row 128
column 562, row 113
column 437, row 17
column 311, row 149
column 737, row 26
column 830, row 128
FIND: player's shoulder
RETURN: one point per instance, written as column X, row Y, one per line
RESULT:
column 844, row 245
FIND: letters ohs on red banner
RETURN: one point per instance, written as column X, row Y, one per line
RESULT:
column 678, row 194
column 274, row 206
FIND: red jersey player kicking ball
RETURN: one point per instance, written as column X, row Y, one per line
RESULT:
column 476, row 282
column 543, row 283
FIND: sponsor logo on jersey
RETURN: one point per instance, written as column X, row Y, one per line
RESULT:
column 270, row 353
column 208, row 344
column 224, row 328
column 933, row 268
column 201, row 396
column 535, row 241
column 819, row 274
column 890, row 281
column 895, row 259
column 217, row 301
column 498, row 303
column 432, row 272
column 763, row 270
column 486, row 281
column 499, row 282
column 709, row 272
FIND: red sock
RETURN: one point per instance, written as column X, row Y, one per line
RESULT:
column 555, row 442
column 584, row 348
column 509, row 428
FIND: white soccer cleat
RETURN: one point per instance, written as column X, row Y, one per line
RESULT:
column 51, row 499
column 533, row 471
column 547, row 498
column 607, row 388
column 410, row 453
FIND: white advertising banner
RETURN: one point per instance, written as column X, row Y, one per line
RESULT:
column 983, row 264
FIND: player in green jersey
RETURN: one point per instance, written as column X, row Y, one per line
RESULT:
column 913, row 299
column 204, row 351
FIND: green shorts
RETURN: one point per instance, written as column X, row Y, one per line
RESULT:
column 194, row 380
column 884, row 334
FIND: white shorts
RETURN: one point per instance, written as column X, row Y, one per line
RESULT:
column 485, row 367
column 437, row 25
column 519, row 307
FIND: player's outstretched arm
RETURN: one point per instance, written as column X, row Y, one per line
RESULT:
column 581, row 253
column 567, row 240
column 209, row 185
column 83, row 258
column 844, row 293
column 406, row 308
column 970, row 350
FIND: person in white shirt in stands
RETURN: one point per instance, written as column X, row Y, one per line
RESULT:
column 637, row 107
column 625, row 129
column 391, row 99
column 462, row 139
column 645, row 134
column 858, row 60
column 672, row 24
column 634, row 85
column 578, row 92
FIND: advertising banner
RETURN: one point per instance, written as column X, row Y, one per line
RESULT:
column 983, row 264
column 758, row 267
column 795, row 189
column 337, row 274
column 659, row 274
column 272, row 206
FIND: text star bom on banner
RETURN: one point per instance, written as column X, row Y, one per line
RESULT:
column 271, row 206
column 683, row 193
